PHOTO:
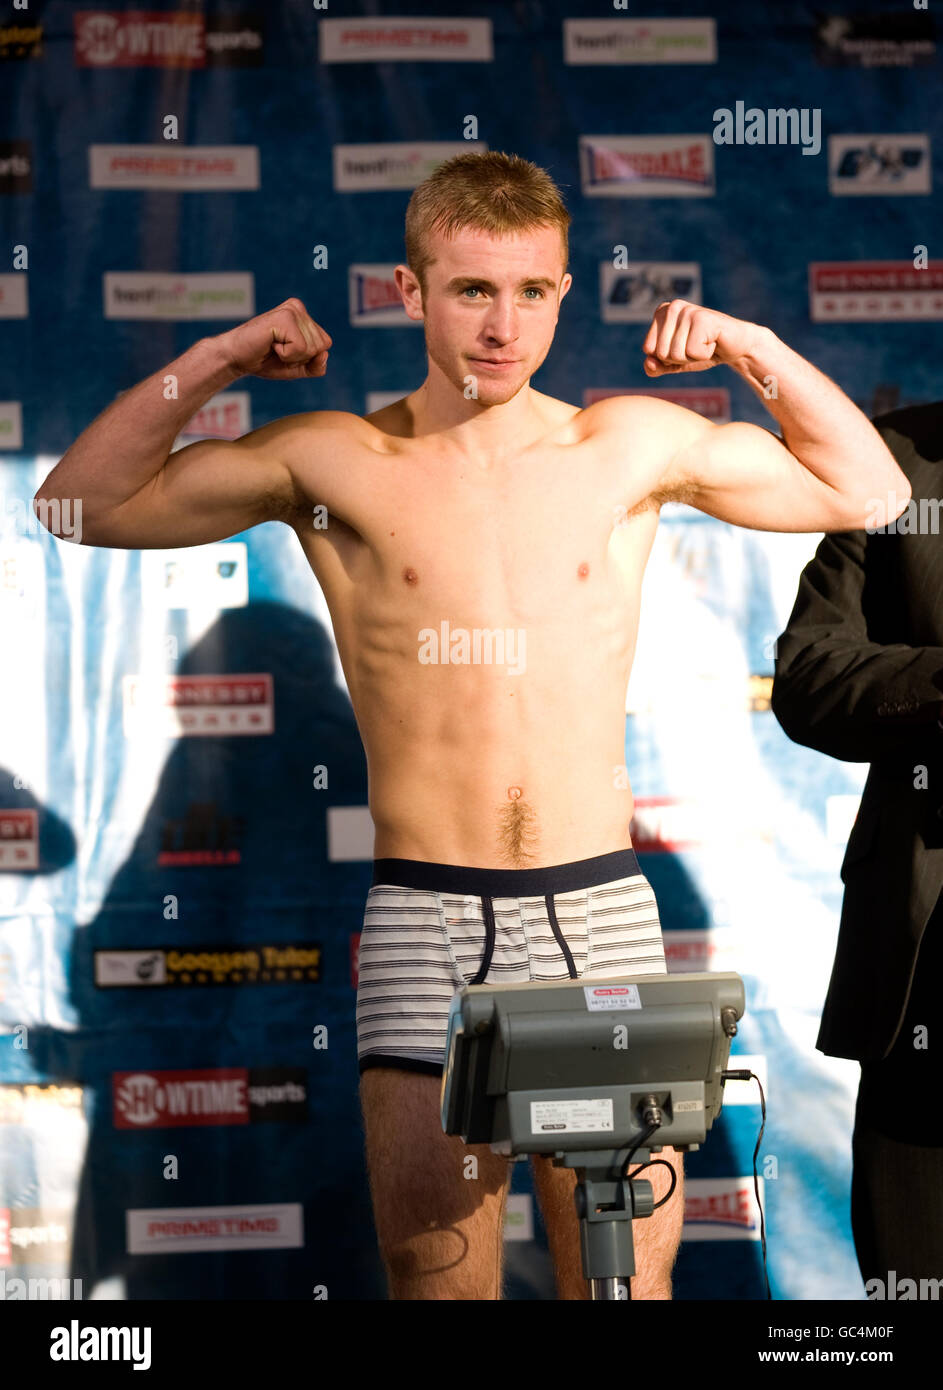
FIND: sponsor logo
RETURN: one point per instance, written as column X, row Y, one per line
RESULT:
column 713, row 402
column 632, row 293
column 721, row 1209
column 174, row 166
column 376, row 400
column 138, row 39
column 11, row 435
column 878, row 165
column 19, row 840
column 21, row 41
column 185, row 1230
column 666, row 823
column 31, row 1103
column 201, row 577
column 358, row 168
column 30, row 1235
column 16, row 167
column 519, row 1216
column 20, row 580
column 639, row 41
column 374, row 299
column 746, row 1092
column 13, row 300
column 203, row 836
column 398, row 40
column 218, row 1096
column 152, row 295
column 296, row 963
column 156, row 39
column 845, row 291
column 235, row 40
column 179, row 705
column 647, row 166
column 894, row 40
column 226, row 416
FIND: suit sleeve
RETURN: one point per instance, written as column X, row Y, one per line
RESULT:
column 834, row 689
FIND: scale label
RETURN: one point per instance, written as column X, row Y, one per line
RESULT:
column 612, row 997
column 570, row 1116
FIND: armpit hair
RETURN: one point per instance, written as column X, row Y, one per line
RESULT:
column 681, row 492
column 286, row 509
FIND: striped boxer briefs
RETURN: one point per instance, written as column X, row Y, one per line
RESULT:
column 429, row 929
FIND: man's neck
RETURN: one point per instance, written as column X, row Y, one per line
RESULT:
column 479, row 431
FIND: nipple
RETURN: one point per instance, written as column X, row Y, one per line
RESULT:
column 583, row 570
column 513, row 793
column 410, row 575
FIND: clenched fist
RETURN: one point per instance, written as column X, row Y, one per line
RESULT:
column 284, row 344
column 684, row 337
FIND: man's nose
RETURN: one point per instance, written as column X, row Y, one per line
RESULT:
column 501, row 321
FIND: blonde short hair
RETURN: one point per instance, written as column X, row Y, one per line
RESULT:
column 501, row 194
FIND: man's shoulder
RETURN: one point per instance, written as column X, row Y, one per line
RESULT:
column 637, row 410
column 302, row 428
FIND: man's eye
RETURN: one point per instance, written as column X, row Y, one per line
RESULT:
column 469, row 288
column 535, row 290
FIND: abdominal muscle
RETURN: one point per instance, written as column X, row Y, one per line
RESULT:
column 497, row 771
column 471, row 764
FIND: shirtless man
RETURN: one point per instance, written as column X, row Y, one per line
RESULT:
column 497, row 785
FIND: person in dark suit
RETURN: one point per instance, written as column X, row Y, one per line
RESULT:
column 859, row 675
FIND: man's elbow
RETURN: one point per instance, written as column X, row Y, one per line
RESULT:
column 61, row 516
column 877, row 509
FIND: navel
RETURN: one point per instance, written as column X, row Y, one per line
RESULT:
column 513, row 793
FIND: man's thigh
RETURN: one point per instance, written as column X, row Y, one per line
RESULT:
column 438, row 1204
column 655, row 1238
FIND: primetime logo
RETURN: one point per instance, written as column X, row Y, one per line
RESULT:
column 102, row 1344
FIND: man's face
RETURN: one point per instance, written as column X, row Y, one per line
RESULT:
column 490, row 307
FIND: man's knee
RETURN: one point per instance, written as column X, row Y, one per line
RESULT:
column 438, row 1203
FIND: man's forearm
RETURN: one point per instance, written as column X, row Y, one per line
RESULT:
column 128, row 444
column 820, row 426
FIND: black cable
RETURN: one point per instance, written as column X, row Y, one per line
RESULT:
column 642, row 1139
column 650, row 1163
column 746, row 1076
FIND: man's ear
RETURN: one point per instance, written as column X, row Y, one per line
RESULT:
column 565, row 284
column 409, row 288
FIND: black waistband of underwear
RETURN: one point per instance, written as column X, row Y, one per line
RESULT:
column 507, row 883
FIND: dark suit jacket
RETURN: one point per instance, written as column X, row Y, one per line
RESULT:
column 854, row 679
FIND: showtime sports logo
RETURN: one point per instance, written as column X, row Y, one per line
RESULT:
column 221, row 1096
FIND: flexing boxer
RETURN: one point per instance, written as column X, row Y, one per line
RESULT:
column 482, row 563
